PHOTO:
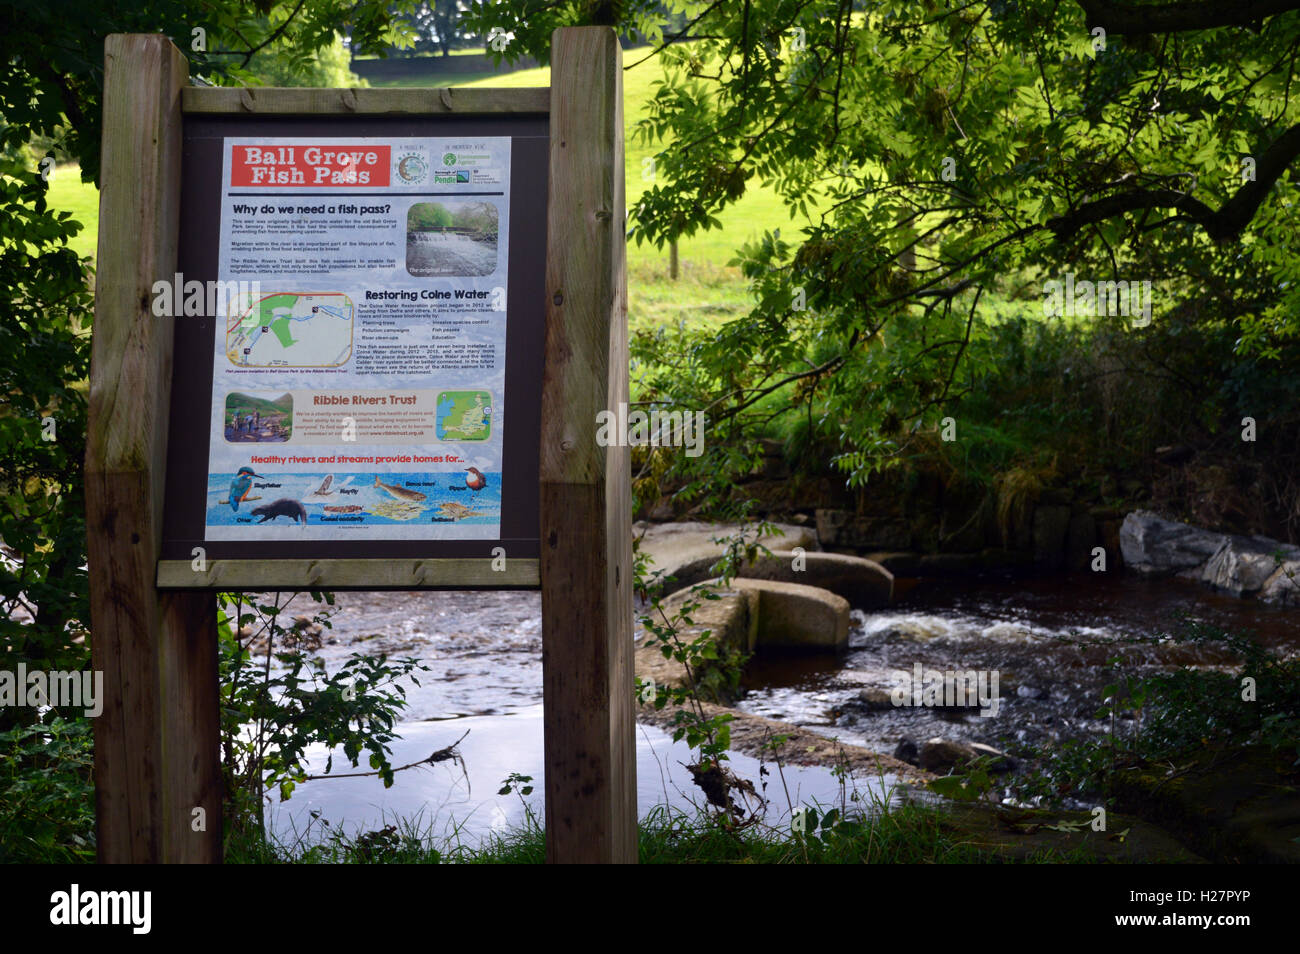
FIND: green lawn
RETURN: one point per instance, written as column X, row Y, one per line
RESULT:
column 68, row 192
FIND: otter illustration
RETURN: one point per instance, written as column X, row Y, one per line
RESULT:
column 284, row 507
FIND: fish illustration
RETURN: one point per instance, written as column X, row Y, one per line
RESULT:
column 457, row 511
column 401, row 493
column 396, row 510
column 284, row 507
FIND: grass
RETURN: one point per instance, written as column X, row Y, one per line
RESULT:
column 69, row 193
column 905, row 834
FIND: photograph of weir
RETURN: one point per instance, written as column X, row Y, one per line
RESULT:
column 451, row 237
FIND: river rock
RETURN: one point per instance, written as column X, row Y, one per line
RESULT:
column 945, row 755
column 732, row 620
column 1283, row 587
column 1234, row 564
column 1243, row 565
column 750, row 616
column 686, row 550
column 1001, row 761
column 1158, row 547
column 874, row 699
column 864, row 583
column 906, row 751
column 797, row 616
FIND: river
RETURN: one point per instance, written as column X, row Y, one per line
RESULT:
column 448, row 254
column 1050, row 640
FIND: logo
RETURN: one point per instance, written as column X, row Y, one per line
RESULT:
column 449, row 159
column 411, row 168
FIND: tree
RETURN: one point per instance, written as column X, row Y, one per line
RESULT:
column 944, row 151
column 50, row 91
column 428, row 215
column 436, row 26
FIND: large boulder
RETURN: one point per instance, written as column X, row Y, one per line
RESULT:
column 945, row 755
column 797, row 616
column 1283, row 586
column 1243, row 565
column 749, row 616
column 864, row 583
column 732, row 620
column 1159, row 547
column 687, row 551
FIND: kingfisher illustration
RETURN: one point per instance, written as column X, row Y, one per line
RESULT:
column 475, row 481
column 241, row 485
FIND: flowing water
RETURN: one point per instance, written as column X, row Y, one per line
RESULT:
column 1049, row 640
column 433, row 254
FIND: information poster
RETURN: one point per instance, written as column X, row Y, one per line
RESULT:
column 360, row 346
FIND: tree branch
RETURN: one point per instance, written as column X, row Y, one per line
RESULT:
column 1222, row 225
column 445, row 754
column 1179, row 17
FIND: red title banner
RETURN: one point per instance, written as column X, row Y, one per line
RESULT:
column 310, row 166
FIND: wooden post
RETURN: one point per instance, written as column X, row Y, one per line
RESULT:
column 156, row 742
column 586, row 532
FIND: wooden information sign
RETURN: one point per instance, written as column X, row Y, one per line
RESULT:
column 356, row 339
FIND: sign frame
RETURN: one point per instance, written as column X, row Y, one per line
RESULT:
column 189, row 560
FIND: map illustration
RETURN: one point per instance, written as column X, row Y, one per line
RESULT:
column 464, row 415
column 292, row 330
